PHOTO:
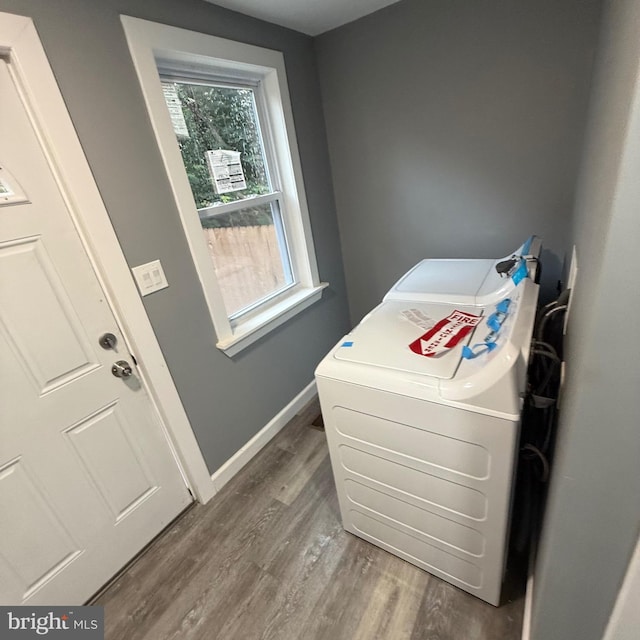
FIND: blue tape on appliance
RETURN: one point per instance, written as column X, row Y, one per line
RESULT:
column 495, row 320
column 349, row 343
column 526, row 247
column 520, row 273
column 468, row 353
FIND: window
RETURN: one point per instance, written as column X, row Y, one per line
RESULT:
column 224, row 151
column 223, row 121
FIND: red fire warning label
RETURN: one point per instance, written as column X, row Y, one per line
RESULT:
column 445, row 334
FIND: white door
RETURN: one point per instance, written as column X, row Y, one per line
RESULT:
column 87, row 476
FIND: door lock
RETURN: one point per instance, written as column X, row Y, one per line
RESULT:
column 121, row 369
column 108, row 341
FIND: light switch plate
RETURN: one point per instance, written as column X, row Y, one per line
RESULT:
column 150, row 277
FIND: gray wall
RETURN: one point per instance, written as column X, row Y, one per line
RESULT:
column 454, row 130
column 227, row 401
column 593, row 514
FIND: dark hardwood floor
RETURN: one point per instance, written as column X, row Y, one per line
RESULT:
column 267, row 558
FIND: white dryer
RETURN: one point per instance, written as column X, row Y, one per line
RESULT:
column 465, row 281
column 423, row 449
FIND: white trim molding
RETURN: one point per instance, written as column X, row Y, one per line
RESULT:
column 249, row 450
column 156, row 46
column 20, row 43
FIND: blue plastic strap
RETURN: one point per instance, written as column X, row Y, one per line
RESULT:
column 503, row 305
column 495, row 320
column 468, row 353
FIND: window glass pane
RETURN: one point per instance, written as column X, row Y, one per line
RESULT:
column 219, row 136
column 209, row 119
column 249, row 253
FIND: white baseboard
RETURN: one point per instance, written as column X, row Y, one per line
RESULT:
column 249, row 450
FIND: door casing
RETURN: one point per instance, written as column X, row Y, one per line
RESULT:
column 19, row 42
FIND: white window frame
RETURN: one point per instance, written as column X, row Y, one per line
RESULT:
column 152, row 44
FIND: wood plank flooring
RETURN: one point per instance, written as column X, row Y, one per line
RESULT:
column 268, row 559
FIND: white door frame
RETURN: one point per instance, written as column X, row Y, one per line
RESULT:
column 19, row 42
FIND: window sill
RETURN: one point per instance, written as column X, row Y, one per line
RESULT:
column 257, row 327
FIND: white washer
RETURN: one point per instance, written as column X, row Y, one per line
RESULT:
column 423, row 450
column 463, row 281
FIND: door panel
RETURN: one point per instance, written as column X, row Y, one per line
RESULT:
column 53, row 348
column 105, row 445
column 22, row 500
column 87, row 476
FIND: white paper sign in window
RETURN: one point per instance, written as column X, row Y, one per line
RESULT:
column 175, row 109
column 226, row 170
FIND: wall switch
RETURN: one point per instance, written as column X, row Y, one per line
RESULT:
column 150, row 277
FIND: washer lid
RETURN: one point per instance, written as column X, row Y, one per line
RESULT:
column 442, row 280
column 382, row 339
